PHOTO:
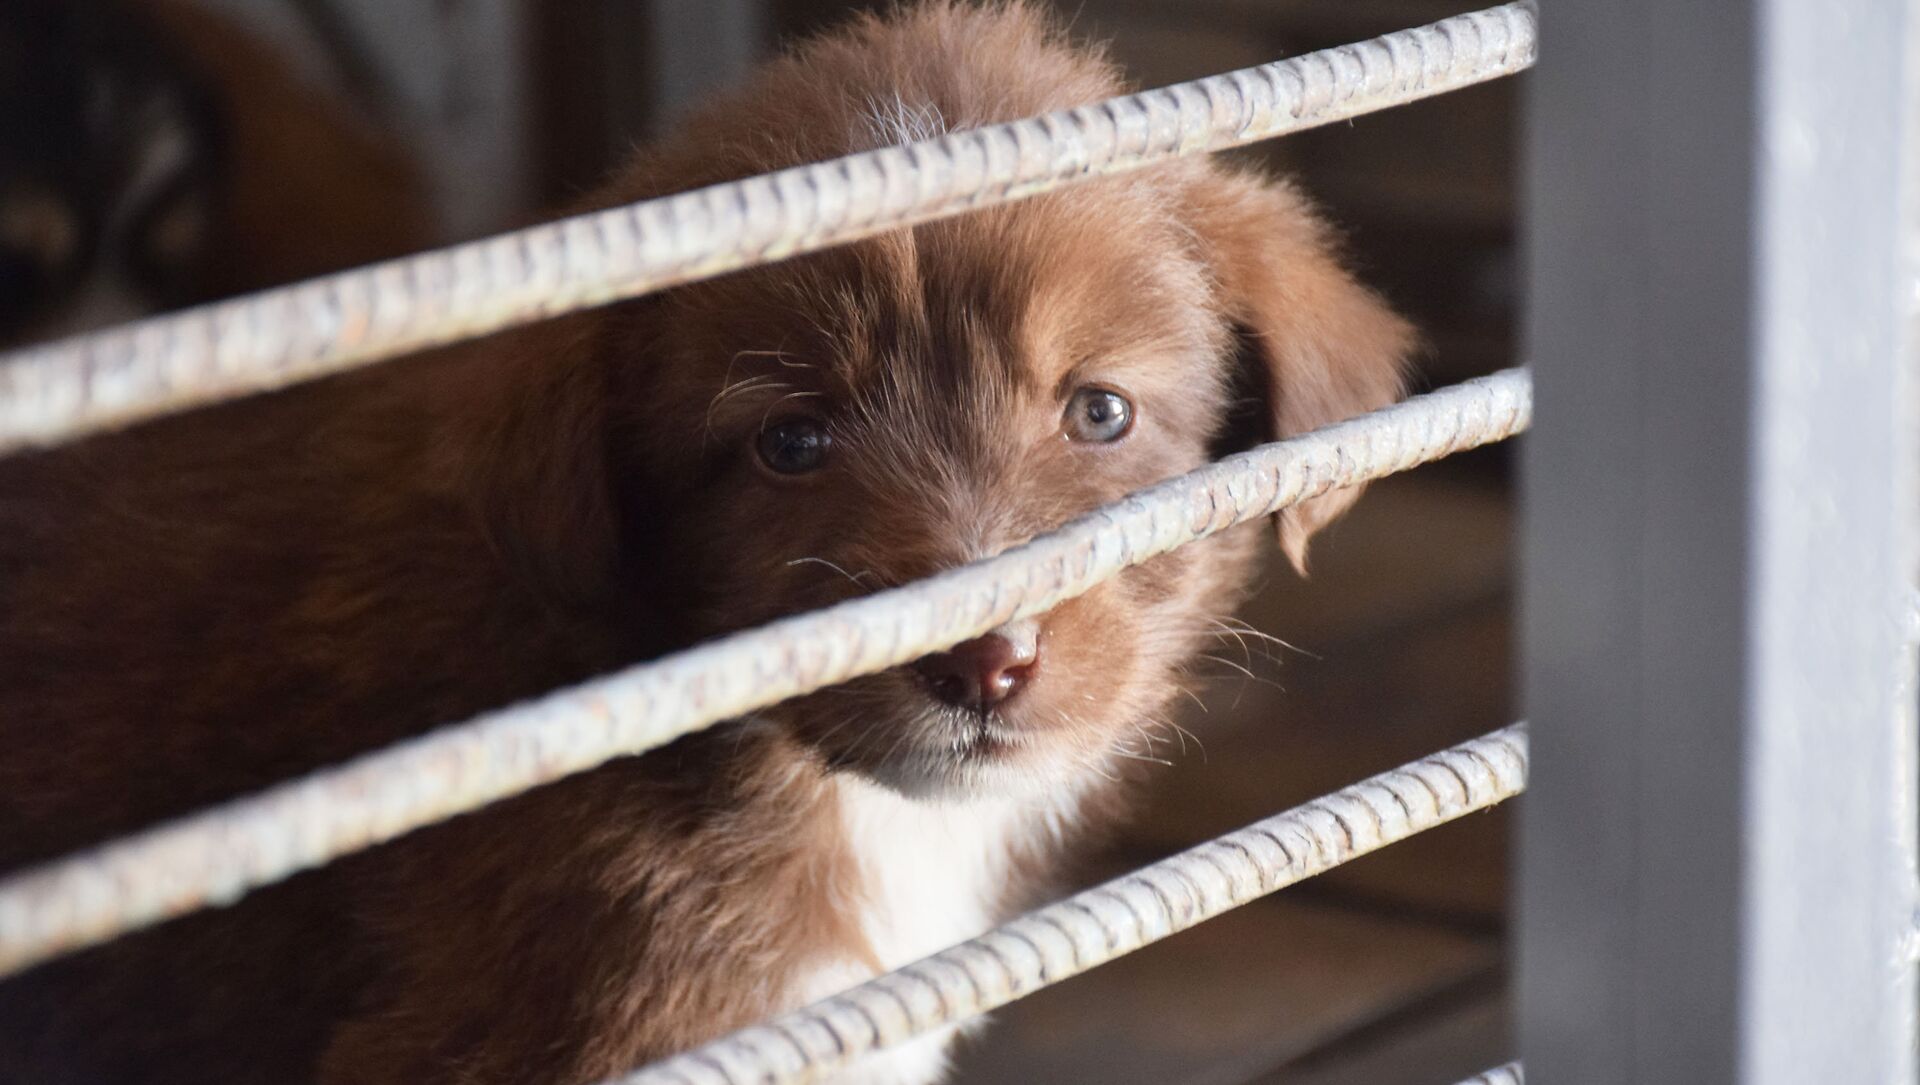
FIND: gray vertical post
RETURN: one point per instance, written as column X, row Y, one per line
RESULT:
column 1716, row 851
column 699, row 46
column 458, row 67
column 459, row 88
column 663, row 56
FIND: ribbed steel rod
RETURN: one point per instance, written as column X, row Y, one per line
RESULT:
column 220, row 854
column 1087, row 929
column 65, row 389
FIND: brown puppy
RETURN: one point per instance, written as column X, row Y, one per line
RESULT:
column 216, row 602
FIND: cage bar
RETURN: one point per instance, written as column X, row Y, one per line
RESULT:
column 218, row 855
column 1090, row 928
column 60, row 391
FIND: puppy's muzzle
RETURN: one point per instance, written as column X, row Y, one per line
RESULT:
column 983, row 673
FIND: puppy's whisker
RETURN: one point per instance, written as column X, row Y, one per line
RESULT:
column 1183, row 734
column 780, row 356
column 726, row 376
column 1142, row 758
column 1239, row 638
column 1225, row 662
column 1240, row 629
column 1247, row 676
column 1145, row 752
column 854, row 577
column 744, row 384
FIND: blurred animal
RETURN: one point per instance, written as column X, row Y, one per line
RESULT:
column 212, row 603
column 154, row 154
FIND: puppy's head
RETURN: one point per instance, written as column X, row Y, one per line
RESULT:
column 792, row 436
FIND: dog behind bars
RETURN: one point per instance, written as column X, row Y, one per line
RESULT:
column 214, row 603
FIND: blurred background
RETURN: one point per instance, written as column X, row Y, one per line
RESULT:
column 182, row 150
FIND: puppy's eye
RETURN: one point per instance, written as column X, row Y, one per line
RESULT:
column 1098, row 415
column 794, row 446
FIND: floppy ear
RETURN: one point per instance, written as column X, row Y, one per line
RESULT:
column 1330, row 348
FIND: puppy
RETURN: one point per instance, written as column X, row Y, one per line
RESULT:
column 213, row 603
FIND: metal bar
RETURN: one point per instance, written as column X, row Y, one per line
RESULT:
column 1719, row 534
column 220, row 854
column 62, row 390
column 1088, row 929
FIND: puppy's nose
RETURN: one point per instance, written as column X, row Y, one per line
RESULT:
column 983, row 672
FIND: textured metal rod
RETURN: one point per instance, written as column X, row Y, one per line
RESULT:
column 1087, row 929
column 216, row 856
column 65, row 389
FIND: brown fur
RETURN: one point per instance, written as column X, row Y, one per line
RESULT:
column 216, row 602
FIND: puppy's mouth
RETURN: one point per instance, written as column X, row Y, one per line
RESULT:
column 978, row 695
column 929, row 730
column 920, row 745
column 983, row 717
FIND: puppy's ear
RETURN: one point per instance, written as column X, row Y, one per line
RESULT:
column 1330, row 348
column 540, row 473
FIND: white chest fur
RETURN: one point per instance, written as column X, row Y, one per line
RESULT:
column 931, row 873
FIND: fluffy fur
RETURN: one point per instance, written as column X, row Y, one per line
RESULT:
column 214, row 603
